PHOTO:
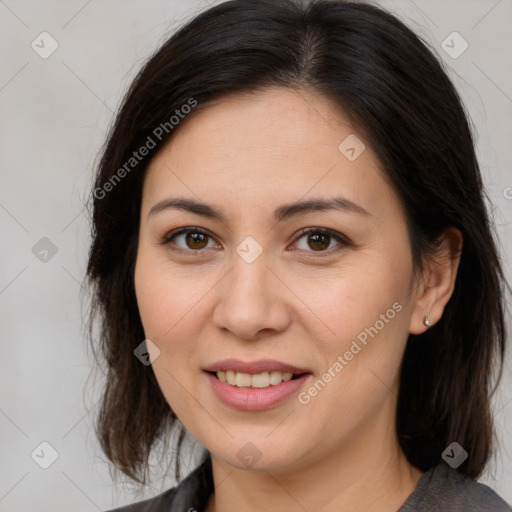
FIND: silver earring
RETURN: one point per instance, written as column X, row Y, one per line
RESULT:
column 427, row 322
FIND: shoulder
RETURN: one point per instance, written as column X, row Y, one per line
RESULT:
column 191, row 494
column 160, row 503
column 443, row 489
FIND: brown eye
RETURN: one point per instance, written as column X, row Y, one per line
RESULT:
column 196, row 240
column 191, row 239
column 319, row 242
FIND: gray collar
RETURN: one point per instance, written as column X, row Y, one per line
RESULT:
column 193, row 493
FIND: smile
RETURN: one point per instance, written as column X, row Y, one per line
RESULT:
column 255, row 386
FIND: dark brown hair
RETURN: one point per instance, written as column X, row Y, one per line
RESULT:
column 395, row 90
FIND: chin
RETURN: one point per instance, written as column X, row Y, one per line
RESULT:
column 253, row 453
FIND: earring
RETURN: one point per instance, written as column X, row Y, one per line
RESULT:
column 427, row 322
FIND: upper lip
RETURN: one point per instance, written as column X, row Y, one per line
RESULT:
column 254, row 367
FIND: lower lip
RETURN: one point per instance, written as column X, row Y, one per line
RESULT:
column 255, row 399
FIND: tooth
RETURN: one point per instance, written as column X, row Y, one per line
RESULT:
column 243, row 380
column 260, row 380
column 275, row 378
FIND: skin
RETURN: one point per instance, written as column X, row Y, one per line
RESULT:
column 301, row 301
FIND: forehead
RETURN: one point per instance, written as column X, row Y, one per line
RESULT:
column 272, row 122
column 268, row 147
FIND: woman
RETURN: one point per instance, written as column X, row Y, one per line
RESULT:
column 293, row 263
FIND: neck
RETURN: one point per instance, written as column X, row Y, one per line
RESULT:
column 369, row 472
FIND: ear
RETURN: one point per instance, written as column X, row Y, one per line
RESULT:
column 435, row 287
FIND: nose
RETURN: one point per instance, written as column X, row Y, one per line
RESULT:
column 251, row 301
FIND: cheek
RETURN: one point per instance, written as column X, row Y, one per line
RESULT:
column 367, row 312
column 173, row 306
column 355, row 300
column 166, row 298
column 165, row 305
column 163, row 308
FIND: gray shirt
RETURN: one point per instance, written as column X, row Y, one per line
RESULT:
column 441, row 489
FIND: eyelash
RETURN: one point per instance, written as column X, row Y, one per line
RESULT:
column 342, row 241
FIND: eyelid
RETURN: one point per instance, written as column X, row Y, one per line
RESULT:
column 179, row 231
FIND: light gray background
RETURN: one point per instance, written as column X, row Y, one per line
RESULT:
column 54, row 116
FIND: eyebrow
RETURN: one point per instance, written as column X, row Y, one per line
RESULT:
column 281, row 213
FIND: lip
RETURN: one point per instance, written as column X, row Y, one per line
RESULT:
column 253, row 367
column 255, row 399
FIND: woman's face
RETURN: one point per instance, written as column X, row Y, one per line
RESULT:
column 266, row 284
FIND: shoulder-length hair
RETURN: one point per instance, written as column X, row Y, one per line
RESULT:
column 396, row 92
